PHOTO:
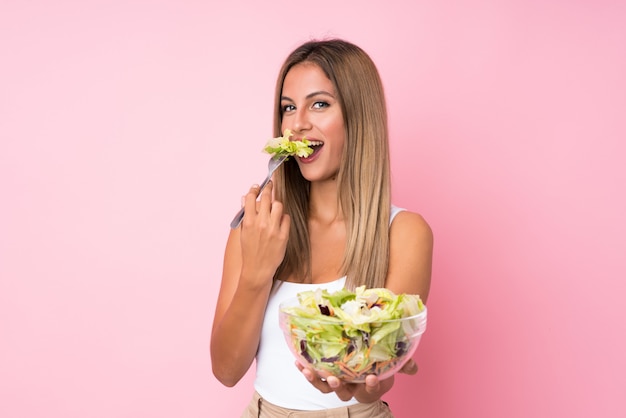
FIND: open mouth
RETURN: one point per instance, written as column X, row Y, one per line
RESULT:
column 316, row 145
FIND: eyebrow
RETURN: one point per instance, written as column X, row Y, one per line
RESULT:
column 310, row 95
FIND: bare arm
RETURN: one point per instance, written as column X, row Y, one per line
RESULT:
column 410, row 265
column 411, row 253
column 253, row 253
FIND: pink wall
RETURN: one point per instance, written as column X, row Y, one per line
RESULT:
column 119, row 173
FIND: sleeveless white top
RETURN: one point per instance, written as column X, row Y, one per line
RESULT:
column 278, row 380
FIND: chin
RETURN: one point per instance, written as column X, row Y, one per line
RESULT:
column 319, row 177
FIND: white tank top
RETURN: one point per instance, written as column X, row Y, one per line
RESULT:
column 277, row 378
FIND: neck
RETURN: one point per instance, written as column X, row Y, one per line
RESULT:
column 324, row 203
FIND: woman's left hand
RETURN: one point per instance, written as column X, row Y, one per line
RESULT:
column 372, row 390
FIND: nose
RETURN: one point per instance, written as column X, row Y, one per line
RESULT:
column 301, row 122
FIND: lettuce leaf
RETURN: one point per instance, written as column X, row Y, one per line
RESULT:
column 282, row 145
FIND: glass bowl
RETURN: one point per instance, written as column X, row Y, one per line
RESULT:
column 348, row 350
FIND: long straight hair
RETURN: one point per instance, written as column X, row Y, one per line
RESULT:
column 364, row 190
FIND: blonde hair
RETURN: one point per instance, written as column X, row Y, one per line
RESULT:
column 364, row 176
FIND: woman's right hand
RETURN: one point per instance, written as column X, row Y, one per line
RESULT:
column 253, row 253
column 264, row 235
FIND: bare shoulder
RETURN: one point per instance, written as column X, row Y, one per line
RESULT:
column 411, row 252
column 410, row 225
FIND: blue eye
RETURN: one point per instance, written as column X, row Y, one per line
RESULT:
column 320, row 105
column 288, row 108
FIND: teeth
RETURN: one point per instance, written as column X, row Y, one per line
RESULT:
column 316, row 143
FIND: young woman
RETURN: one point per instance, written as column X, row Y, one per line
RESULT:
column 325, row 221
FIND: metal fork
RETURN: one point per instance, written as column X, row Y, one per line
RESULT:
column 272, row 165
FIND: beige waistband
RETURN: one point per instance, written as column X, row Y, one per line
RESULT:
column 260, row 408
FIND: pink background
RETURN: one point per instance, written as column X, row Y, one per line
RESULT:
column 130, row 129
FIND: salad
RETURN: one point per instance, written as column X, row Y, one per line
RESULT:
column 353, row 334
column 283, row 146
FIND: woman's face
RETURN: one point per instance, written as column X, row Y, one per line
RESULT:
column 311, row 110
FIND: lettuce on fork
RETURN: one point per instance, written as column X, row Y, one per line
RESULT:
column 353, row 334
column 282, row 145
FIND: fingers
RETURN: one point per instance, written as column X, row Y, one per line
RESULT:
column 263, row 208
column 372, row 384
column 265, row 203
column 264, row 232
column 249, row 201
column 319, row 382
column 344, row 391
column 410, row 367
column 368, row 391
